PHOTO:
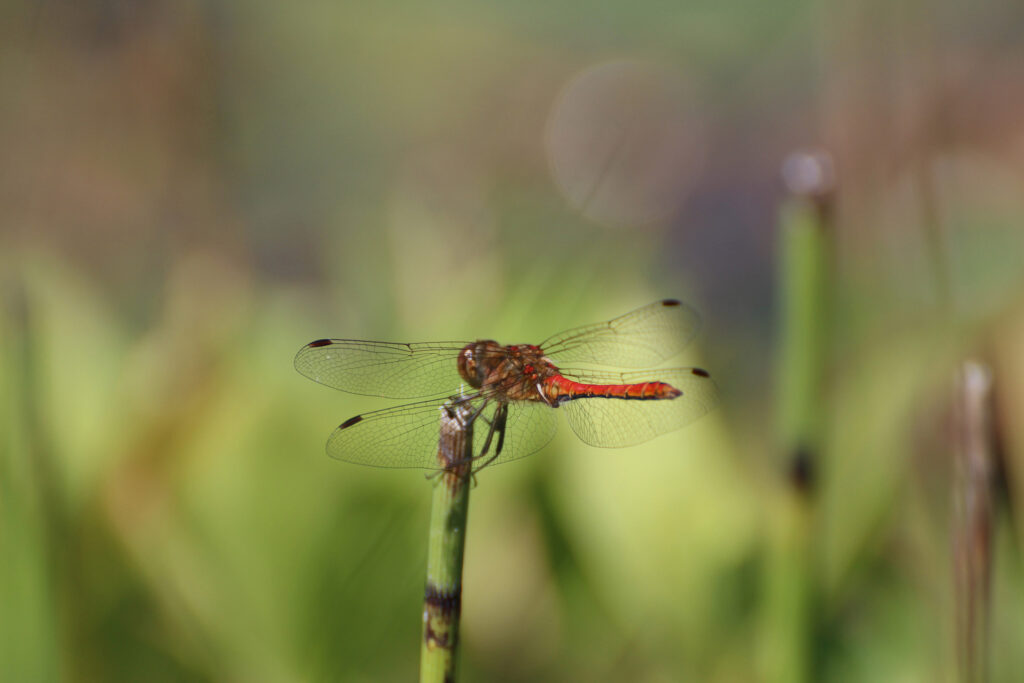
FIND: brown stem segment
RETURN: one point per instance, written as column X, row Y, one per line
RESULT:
column 442, row 601
column 972, row 523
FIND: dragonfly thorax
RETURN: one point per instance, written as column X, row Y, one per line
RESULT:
column 513, row 372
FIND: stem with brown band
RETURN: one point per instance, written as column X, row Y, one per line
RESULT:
column 442, row 601
column 792, row 602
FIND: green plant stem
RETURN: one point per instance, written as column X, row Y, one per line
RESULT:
column 38, row 612
column 802, row 281
column 442, row 602
column 791, row 594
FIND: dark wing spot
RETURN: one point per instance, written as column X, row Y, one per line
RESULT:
column 319, row 343
column 351, row 421
column 700, row 373
column 671, row 302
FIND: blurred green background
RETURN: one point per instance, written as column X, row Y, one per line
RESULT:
column 193, row 190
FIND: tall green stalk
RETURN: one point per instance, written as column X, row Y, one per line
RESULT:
column 791, row 585
column 36, row 612
column 442, row 601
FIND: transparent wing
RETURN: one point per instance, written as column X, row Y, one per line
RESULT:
column 403, row 436
column 644, row 337
column 615, row 422
column 407, row 436
column 386, row 369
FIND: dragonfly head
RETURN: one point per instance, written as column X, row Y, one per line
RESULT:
column 473, row 362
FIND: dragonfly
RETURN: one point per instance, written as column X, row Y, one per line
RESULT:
column 512, row 393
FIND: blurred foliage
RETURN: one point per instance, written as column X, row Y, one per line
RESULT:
column 193, row 190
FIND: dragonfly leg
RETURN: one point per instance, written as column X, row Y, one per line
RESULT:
column 456, row 401
column 502, row 421
column 476, row 413
column 497, row 425
column 493, row 424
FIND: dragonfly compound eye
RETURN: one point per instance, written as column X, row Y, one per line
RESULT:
column 468, row 365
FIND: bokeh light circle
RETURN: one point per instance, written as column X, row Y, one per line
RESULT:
column 624, row 141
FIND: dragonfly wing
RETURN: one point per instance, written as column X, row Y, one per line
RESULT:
column 644, row 337
column 616, row 422
column 403, row 436
column 386, row 369
column 407, row 436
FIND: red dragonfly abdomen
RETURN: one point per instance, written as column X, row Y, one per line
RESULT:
column 559, row 390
